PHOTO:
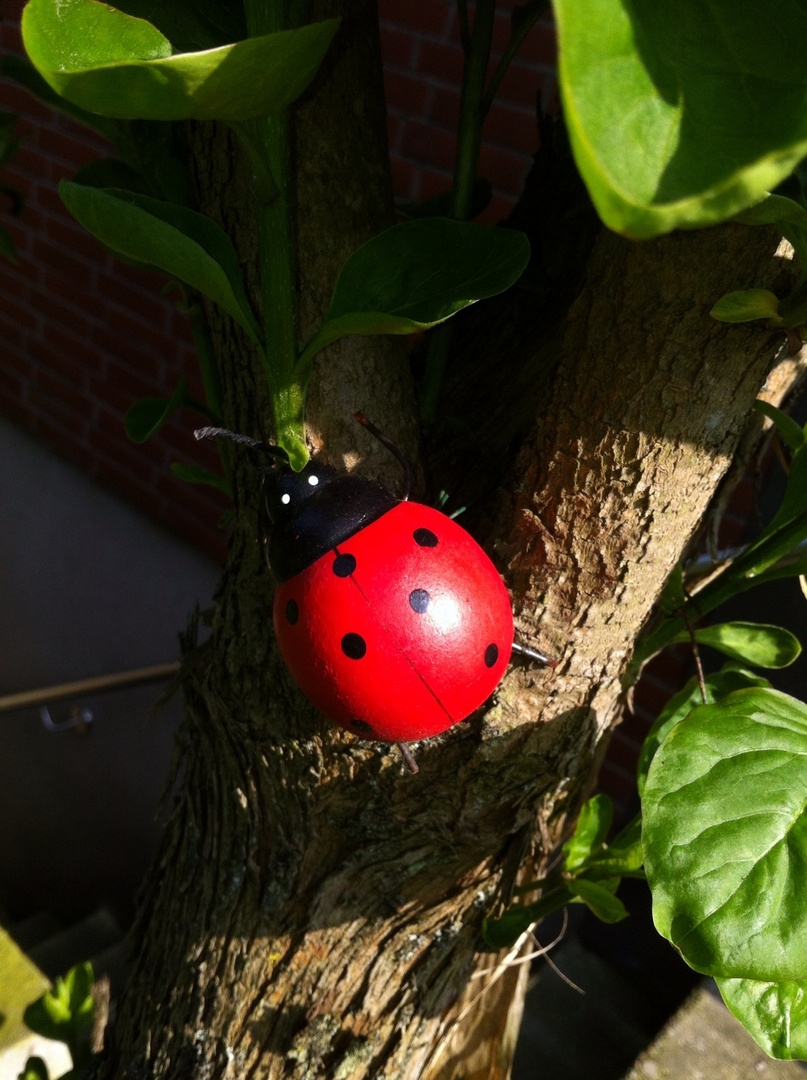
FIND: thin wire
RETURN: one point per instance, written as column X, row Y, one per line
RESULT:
column 390, row 445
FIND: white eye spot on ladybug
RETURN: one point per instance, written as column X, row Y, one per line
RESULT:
column 285, row 498
column 313, row 480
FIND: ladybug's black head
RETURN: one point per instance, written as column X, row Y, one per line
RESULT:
column 287, row 491
column 313, row 510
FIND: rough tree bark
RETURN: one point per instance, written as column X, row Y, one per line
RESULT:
column 315, row 909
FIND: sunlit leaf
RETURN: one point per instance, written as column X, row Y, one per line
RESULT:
column 680, row 115
column 725, row 837
column 739, row 307
column 750, row 643
column 773, row 1013
column 111, row 63
column 718, row 685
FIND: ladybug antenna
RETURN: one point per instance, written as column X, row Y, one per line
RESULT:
column 390, row 445
column 244, row 440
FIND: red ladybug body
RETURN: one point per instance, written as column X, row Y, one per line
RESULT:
column 391, row 618
column 400, row 630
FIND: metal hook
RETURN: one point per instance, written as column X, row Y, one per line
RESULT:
column 79, row 718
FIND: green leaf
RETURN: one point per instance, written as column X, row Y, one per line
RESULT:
column 794, row 502
column 417, row 274
column 35, row 1069
column 792, row 567
column 681, row 115
column 723, row 682
column 621, row 858
column 600, row 899
column 504, row 932
column 750, row 643
column 739, row 307
column 787, row 427
column 590, row 832
column 65, row 1010
column 790, row 218
column 197, row 474
column 725, row 837
column 110, row 63
column 773, row 1013
column 147, row 416
column 179, row 241
column 515, row 920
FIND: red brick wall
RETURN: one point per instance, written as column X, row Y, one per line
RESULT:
column 82, row 336
column 423, row 73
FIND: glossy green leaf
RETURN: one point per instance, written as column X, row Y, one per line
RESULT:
column 590, row 832
column 787, row 427
column 65, row 1010
column 111, row 63
column 725, row 837
column 417, row 274
column 750, row 643
column 718, row 685
column 197, row 474
column 179, row 241
column 773, row 1013
column 148, row 415
column 599, row 899
column 739, row 307
column 681, row 115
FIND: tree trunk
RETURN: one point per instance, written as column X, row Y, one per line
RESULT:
column 315, row 910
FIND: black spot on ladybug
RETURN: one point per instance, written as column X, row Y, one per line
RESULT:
column 354, row 646
column 292, row 612
column 491, row 655
column 419, row 600
column 362, row 727
column 425, row 538
column 344, row 565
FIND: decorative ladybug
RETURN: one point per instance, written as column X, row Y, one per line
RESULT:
column 391, row 618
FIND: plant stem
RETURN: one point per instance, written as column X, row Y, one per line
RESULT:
column 469, row 132
column 741, row 575
column 469, row 142
column 521, row 28
column 269, row 139
column 200, row 332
